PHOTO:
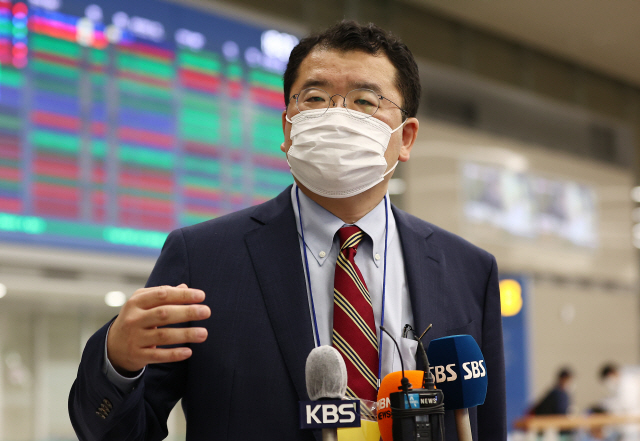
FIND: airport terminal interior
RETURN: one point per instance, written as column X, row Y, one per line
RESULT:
column 123, row 120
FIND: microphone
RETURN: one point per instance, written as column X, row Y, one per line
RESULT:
column 459, row 370
column 407, row 414
column 326, row 379
column 325, row 374
column 392, row 383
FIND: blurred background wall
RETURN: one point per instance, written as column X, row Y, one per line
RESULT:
column 122, row 120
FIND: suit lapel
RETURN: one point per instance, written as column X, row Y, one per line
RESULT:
column 275, row 253
column 424, row 265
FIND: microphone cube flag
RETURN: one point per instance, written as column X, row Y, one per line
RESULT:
column 458, row 368
column 390, row 384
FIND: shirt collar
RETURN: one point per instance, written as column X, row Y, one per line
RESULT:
column 320, row 227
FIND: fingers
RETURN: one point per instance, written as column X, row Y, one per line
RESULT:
column 155, row 355
column 171, row 336
column 148, row 298
column 170, row 315
column 140, row 327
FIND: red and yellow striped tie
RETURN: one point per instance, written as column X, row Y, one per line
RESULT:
column 354, row 328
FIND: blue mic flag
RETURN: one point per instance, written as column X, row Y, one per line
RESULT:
column 458, row 367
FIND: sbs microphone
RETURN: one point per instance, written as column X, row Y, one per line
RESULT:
column 407, row 414
column 459, row 370
column 326, row 379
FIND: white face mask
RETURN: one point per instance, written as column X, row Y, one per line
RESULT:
column 338, row 155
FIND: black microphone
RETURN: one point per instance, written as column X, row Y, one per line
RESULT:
column 428, row 381
column 326, row 378
column 416, row 414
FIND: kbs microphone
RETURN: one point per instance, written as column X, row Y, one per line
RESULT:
column 326, row 378
column 459, row 370
column 325, row 374
column 407, row 414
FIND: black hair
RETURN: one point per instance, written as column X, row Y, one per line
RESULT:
column 565, row 373
column 349, row 35
column 608, row 369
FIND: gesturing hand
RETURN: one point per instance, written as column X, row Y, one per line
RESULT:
column 136, row 332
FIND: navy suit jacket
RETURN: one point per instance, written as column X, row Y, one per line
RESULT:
column 244, row 382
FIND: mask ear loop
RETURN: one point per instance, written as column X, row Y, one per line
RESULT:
column 401, row 125
column 391, row 169
column 398, row 161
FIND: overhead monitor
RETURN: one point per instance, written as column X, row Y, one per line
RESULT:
column 531, row 206
column 121, row 120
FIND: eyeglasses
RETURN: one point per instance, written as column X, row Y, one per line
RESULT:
column 361, row 103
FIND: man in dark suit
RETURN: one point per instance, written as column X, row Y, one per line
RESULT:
column 236, row 354
column 557, row 401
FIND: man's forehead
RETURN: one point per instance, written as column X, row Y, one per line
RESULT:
column 331, row 68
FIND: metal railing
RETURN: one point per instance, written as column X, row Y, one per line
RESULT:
column 550, row 426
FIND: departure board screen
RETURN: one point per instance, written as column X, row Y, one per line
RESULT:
column 121, row 120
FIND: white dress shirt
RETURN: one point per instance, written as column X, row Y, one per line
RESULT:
column 320, row 228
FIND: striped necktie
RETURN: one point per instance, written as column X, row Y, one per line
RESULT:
column 354, row 329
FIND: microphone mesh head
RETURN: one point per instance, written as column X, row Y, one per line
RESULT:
column 326, row 374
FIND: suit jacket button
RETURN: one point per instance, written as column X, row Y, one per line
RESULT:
column 108, row 403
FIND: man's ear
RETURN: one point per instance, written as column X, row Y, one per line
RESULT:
column 409, row 135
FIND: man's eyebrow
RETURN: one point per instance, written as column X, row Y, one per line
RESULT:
column 315, row 82
column 365, row 85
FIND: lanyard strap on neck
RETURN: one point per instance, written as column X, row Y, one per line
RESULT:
column 384, row 278
column 306, row 264
column 384, row 284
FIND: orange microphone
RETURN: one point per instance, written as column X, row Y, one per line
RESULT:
column 406, row 413
column 392, row 383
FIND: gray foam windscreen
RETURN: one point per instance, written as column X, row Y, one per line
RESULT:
column 326, row 374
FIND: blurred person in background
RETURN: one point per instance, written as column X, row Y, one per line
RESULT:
column 610, row 379
column 558, row 400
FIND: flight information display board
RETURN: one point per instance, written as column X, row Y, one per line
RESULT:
column 121, row 120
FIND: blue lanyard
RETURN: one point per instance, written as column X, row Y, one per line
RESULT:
column 384, row 278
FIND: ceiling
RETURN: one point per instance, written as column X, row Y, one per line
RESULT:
column 603, row 35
